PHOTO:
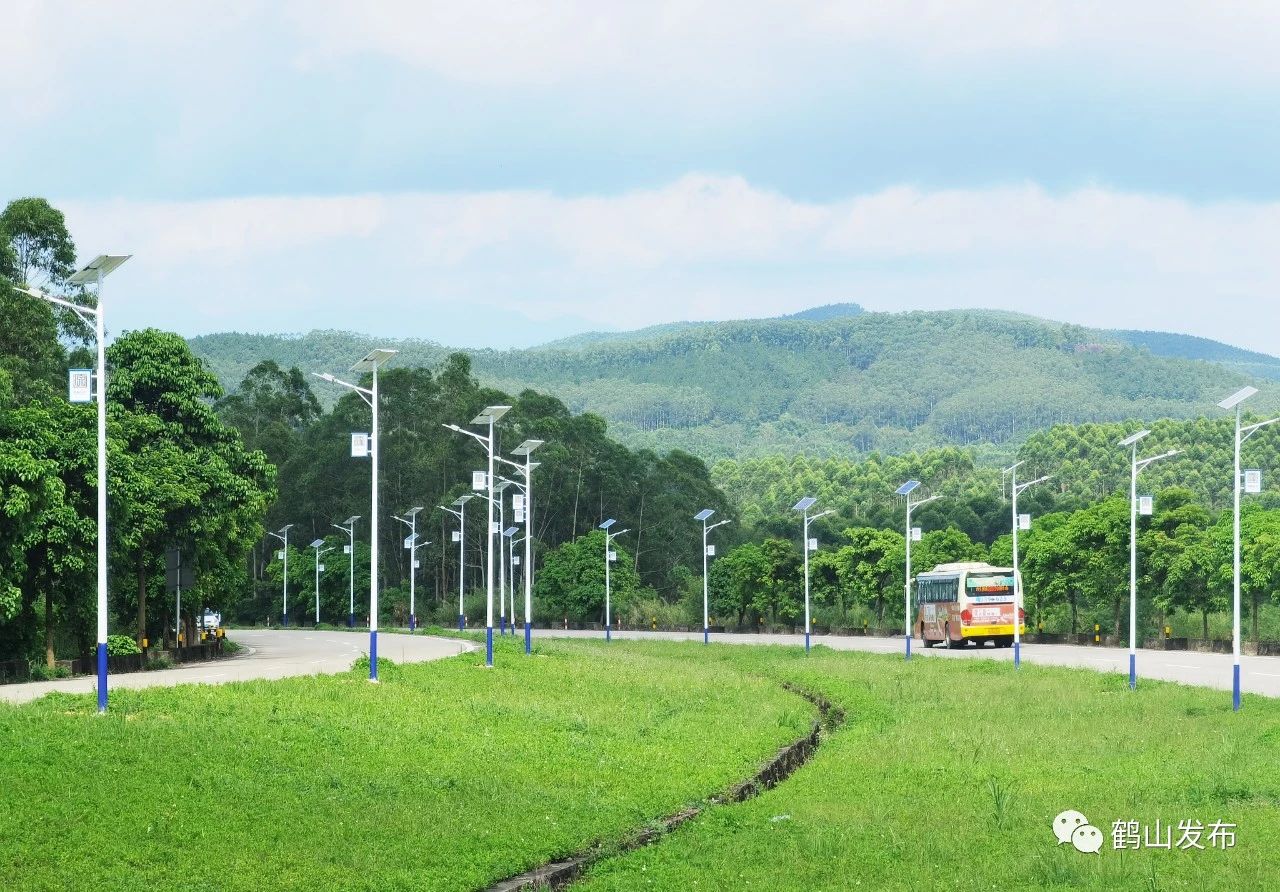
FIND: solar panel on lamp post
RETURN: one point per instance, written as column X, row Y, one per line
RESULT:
column 704, row 515
column 608, row 555
column 371, row 363
column 93, row 273
column 461, row 514
column 1135, row 466
column 1242, row 434
column 489, row 416
column 411, row 543
column 349, row 527
column 283, row 536
column 1015, row 490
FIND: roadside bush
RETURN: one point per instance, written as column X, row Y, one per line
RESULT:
column 647, row 610
column 160, row 662
column 121, row 646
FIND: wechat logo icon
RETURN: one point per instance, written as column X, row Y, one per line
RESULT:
column 1073, row 827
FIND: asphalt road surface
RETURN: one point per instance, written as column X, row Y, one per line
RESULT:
column 1258, row 675
column 273, row 653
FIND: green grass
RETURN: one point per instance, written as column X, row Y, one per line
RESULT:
column 444, row 776
column 947, row 775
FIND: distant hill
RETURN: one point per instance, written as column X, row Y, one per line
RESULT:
column 832, row 381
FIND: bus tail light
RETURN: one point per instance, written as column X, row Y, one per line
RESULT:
column 966, row 616
column 1022, row 615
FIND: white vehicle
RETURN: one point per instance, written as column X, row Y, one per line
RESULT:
column 210, row 620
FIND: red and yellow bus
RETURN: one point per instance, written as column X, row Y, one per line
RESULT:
column 960, row 603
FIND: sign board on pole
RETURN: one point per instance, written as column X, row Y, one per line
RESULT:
column 1146, row 505
column 416, row 564
column 519, row 518
column 320, row 568
column 917, row 534
column 517, row 502
column 478, row 481
column 279, row 555
column 456, row 536
column 813, row 544
column 1024, row 523
column 346, row 549
column 408, row 540
column 515, row 561
column 495, row 527
column 360, row 446
column 613, row 556
column 80, row 385
column 1253, row 481
column 711, row 551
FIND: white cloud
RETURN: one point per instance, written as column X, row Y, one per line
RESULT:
column 700, row 247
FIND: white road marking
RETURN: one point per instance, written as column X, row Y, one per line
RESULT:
column 1182, row 666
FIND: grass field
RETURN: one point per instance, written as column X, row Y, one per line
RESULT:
column 445, row 776
column 946, row 774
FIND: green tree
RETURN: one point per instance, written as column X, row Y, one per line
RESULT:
column 571, row 581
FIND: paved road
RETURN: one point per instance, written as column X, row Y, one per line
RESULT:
column 269, row 654
column 1258, row 675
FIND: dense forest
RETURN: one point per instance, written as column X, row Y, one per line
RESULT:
column 834, row 382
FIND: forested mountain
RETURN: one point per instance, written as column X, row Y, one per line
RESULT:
column 840, row 382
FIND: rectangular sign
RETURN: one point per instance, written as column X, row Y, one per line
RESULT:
column 519, row 517
column 711, row 551
column 477, row 480
column 813, row 544
column 1253, row 481
column 613, row 556
column 408, row 540
column 1024, row 521
column 1146, row 505
column 416, row 565
column 456, row 536
column 360, row 446
column 917, row 534
column 279, row 555
column 517, row 502
column 495, row 527
column 320, row 568
column 989, row 583
column 80, row 385
column 515, row 561
column 346, row 549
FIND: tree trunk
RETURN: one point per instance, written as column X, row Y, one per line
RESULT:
column 1115, row 624
column 1075, row 617
column 49, row 659
column 142, row 598
column 1204, row 616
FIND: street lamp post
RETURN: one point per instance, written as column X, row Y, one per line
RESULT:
column 283, row 536
column 411, row 542
column 905, row 490
column 804, row 505
column 704, row 515
column 93, row 273
column 1135, row 466
column 349, row 527
column 1242, row 434
column 461, row 514
column 371, row 363
column 489, row 416
column 608, row 554
column 510, row 534
column 499, row 489
column 1016, row 489
column 318, row 545
column 526, row 449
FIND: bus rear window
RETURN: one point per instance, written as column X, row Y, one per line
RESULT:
column 991, row 585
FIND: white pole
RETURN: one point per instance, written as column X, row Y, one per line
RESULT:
column 351, row 577
column 1017, row 577
column 489, row 558
column 1235, row 574
column 706, row 617
column 462, row 564
column 528, row 552
column 102, row 499
column 906, row 598
column 1133, row 570
column 502, row 567
column 806, row 580
column 285, row 608
column 374, row 448
column 607, row 631
column 413, row 560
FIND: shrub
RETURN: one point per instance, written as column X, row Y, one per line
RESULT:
column 121, row 646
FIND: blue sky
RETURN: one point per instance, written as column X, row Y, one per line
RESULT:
column 502, row 174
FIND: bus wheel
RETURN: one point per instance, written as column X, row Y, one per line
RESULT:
column 1006, row 641
column 952, row 643
column 925, row 642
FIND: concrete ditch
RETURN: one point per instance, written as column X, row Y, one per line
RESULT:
column 560, row 873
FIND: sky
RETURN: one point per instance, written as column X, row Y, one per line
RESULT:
column 503, row 173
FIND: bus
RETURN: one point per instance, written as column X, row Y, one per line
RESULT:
column 966, row 602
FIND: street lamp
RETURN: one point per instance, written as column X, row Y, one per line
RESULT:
column 510, row 535
column 526, row 449
column 371, row 363
column 283, row 536
column 411, row 542
column 704, row 515
column 461, row 514
column 348, row 526
column 93, row 273
column 1134, row 467
column 905, row 490
column 804, row 505
column 488, row 416
column 1242, row 434
column 609, row 555
column 1015, row 489
column 499, row 488
column 318, row 546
